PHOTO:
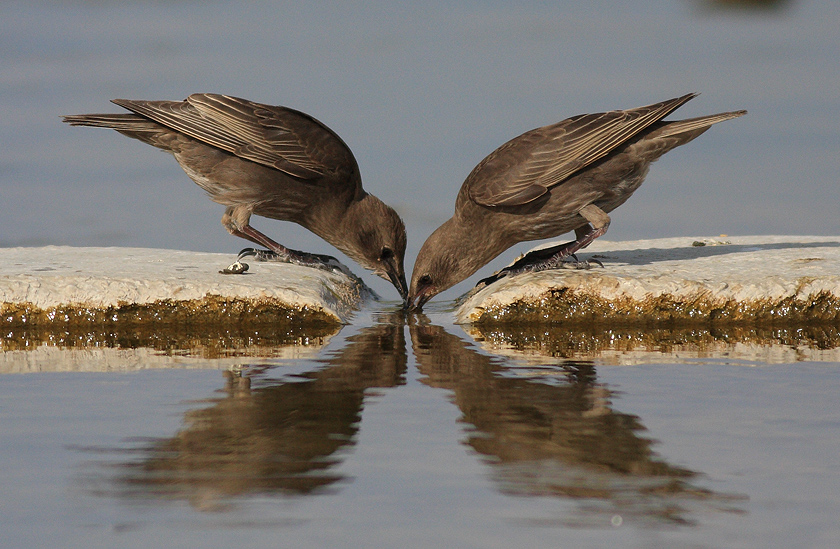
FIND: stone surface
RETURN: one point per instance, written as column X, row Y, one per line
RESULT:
column 761, row 279
column 65, row 284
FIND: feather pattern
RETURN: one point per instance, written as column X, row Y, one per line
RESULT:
column 525, row 168
column 278, row 137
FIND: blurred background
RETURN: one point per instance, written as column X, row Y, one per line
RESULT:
column 421, row 92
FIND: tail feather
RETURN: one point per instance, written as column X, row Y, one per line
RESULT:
column 692, row 124
column 119, row 122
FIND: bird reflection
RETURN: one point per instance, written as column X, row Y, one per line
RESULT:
column 555, row 432
column 550, row 431
column 270, row 436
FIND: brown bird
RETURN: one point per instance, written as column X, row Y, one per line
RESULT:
column 275, row 162
column 546, row 182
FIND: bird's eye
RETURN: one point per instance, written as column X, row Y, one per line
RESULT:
column 387, row 253
column 425, row 280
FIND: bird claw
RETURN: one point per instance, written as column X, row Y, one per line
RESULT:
column 544, row 265
column 259, row 255
column 582, row 265
column 294, row 257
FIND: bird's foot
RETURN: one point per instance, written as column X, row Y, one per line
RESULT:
column 565, row 263
column 294, row 257
column 555, row 262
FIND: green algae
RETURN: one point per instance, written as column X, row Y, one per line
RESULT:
column 212, row 327
column 570, row 307
column 209, row 309
column 562, row 341
column 206, row 341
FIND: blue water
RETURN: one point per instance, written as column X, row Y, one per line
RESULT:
column 412, row 434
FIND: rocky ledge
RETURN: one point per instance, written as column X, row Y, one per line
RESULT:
column 756, row 279
column 60, row 285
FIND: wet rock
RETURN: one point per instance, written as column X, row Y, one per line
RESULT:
column 74, row 286
column 757, row 279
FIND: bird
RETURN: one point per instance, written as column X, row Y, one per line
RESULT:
column 274, row 162
column 546, row 182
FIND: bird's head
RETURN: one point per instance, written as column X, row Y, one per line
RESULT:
column 443, row 261
column 377, row 242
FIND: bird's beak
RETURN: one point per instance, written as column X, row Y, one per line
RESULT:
column 392, row 272
column 398, row 280
column 414, row 304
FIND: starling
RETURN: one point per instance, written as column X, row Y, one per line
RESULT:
column 546, row 182
column 275, row 162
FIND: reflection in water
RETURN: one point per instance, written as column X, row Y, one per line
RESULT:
column 204, row 340
column 125, row 347
column 272, row 436
column 550, row 433
column 640, row 344
column 555, row 434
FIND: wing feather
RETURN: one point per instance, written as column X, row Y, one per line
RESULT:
column 277, row 137
column 525, row 168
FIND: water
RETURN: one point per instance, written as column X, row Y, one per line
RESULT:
column 412, row 432
column 418, row 434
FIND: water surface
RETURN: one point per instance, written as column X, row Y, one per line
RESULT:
column 410, row 432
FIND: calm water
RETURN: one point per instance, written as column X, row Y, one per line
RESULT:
column 411, row 433
column 398, row 432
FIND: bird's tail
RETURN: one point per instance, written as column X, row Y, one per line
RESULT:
column 119, row 122
column 130, row 125
column 677, row 127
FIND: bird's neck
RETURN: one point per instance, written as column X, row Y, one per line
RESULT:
column 475, row 244
column 343, row 221
column 329, row 221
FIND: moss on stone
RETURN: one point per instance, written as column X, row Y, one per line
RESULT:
column 562, row 341
column 570, row 307
column 212, row 309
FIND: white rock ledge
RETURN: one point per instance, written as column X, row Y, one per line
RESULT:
column 747, row 278
column 60, row 278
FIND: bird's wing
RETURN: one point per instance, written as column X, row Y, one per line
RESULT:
column 278, row 137
column 523, row 169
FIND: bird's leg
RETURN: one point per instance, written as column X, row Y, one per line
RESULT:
column 554, row 258
column 598, row 224
column 279, row 253
column 236, row 221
